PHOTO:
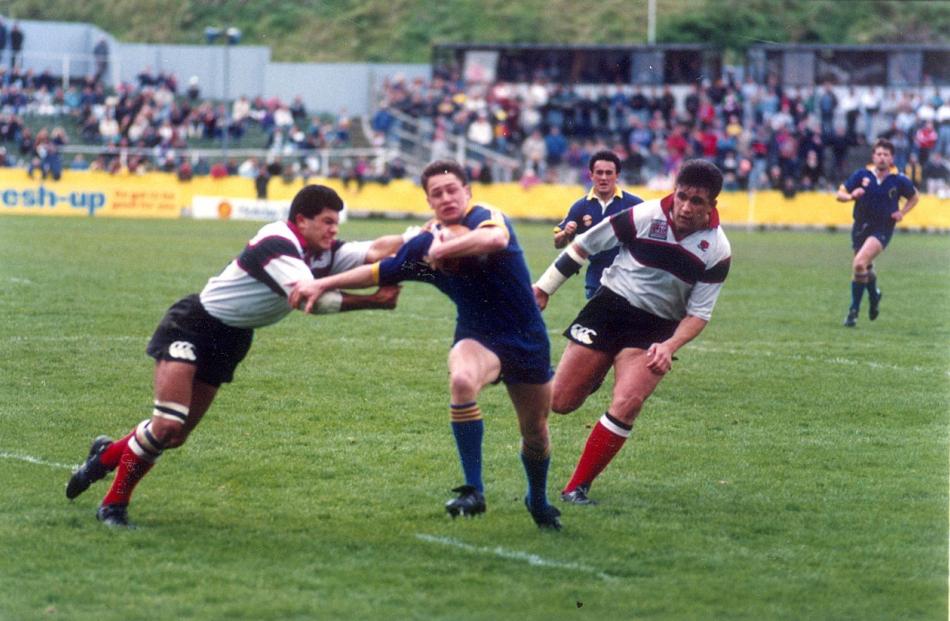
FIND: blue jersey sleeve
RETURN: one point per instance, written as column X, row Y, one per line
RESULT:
column 573, row 214
column 907, row 187
column 854, row 181
column 408, row 263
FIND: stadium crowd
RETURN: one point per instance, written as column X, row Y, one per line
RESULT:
column 761, row 135
column 151, row 125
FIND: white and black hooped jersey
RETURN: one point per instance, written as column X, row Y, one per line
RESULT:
column 252, row 290
column 656, row 271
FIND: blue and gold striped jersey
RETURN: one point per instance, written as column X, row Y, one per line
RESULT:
column 492, row 293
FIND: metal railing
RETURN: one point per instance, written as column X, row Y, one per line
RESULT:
column 414, row 140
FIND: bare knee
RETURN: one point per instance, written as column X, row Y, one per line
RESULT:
column 565, row 401
column 169, row 434
column 626, row 408
column 464, row 385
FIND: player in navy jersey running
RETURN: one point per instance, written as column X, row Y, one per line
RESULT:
column 876, row 192
column 657, row 296
column 604, row 200
column 203, row 337
column 471, row 254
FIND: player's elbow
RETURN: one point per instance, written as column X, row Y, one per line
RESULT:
column 498, row 240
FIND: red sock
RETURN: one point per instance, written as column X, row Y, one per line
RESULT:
column 604, row 442
column 110, row 457
column 131, row 470
column 138, row 456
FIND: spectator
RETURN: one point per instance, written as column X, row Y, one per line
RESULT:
column 3, row 44
column 16, row 45
column 101, row 54
column 936, row 174
column 535, row 153
column 194, row 89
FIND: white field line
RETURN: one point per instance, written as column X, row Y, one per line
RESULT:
column 530, row 559
column 395, row 340
column 34, row 460
column 838, row 360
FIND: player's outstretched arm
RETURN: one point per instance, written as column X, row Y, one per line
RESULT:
column 566, row 265
column 307, row 292
column 383, row 247
column 383, row 298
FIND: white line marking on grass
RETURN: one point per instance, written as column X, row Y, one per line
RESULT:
column 20, row 281
column 807, row 358
column 34, row 460
column 531, row 559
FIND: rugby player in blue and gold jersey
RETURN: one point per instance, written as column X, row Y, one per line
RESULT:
column 876, row 192
column 471, row 254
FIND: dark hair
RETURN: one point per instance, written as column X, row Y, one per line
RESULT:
column 883, row 143
column 700, row 174
column 606, row 156
column 442, row 167
column 313, row 199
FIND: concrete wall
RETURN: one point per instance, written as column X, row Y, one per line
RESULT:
column 332, row 87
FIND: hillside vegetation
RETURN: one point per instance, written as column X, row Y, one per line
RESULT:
column 405, row 30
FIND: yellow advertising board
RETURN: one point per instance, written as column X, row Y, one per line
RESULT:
column 90, row 194
column 162, row 195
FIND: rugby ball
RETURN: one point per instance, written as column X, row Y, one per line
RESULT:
column 447, row 232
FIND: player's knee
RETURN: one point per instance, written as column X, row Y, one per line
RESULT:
column 168, row 423
column 626, row 407
column 565, row 401
column 464, row 384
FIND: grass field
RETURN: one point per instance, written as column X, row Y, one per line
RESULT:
column 788, row 468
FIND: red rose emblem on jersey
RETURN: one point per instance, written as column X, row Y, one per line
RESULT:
column 704, row 245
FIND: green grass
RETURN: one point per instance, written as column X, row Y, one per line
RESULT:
column 788, row 468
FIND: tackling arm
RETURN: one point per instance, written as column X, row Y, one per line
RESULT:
column 566, row 265
column 308, row 292
column 383, row 247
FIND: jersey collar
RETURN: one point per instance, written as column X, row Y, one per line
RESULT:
column 890, row 171
column 592, row 195
column 296, row 231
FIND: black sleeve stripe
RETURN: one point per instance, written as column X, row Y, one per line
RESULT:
column 622, row 224
column 718, row 272
column 566, row 265
column 254, row 258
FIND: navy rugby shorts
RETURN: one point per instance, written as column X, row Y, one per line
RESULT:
column 187, row 333
column 529, row 363
column 860, row 234
column 609, row 323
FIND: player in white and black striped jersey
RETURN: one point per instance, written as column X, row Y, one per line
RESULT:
column 203, row 337
column 656, row 296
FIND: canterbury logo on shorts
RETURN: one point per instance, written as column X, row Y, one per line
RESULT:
column 582, row 335
column 182, row 350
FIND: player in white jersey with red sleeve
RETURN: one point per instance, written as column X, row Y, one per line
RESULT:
column 203, row 337
column 655, row 297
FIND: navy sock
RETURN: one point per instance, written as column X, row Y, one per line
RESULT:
column 857, row 292
column 536, row 469
column 872, row 289
column 468, row 440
